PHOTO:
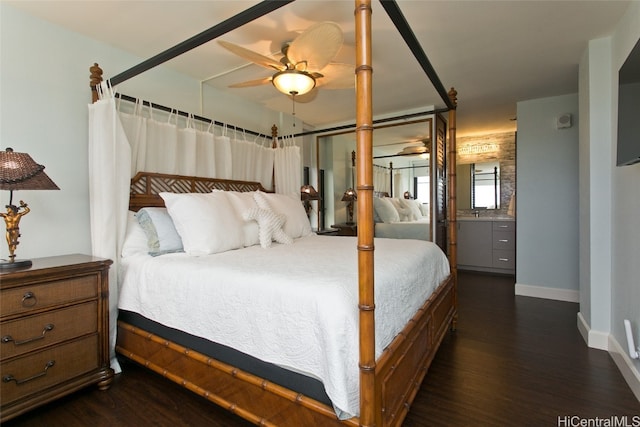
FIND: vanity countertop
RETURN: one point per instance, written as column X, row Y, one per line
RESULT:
column 485, row 218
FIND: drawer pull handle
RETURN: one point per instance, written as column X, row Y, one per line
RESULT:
column 8, row 338
column 503, row 240
column 9, row 378
column 503, row 259
column 503, row 226
column 29, row 299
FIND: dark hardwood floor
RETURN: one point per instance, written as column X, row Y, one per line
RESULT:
column 513, row 361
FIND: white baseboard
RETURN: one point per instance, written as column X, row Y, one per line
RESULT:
column 604, row 341
column 583, row 328
column 593, row 338
column 547, row 293
column 627, row 367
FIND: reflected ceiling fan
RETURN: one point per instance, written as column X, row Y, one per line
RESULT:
column 305, row 64
column 423, row 149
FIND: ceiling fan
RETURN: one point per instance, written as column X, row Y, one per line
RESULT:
column 423, row 149
column 305, row 64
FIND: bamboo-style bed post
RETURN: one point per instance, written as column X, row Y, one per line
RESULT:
column 274, row 145
column 451, row 173
column 95, row 78
column 364, row 170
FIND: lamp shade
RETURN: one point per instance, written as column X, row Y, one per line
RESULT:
column 349, row 195
column 307, row 192
column 18, row 171
column 293, row 82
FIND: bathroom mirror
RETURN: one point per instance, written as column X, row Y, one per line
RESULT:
column 478, row 185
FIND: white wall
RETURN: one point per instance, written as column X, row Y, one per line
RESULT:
column 547, row 208
column 625, row 278
column 610, row 198
column 44, row 87
column 597, row 150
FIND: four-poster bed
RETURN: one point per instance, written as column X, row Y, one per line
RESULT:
column 388, row 381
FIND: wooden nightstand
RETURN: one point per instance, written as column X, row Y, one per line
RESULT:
column 346, row 229
column 327, row 232
column 54, row 331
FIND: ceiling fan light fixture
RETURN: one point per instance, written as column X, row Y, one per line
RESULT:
column 293, row 82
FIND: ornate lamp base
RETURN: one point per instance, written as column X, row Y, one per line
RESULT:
column 20, row 263
column 12, row 220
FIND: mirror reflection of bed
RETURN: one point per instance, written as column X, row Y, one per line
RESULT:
column 403, row 178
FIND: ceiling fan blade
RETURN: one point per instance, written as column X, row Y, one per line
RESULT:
column 338, row 76
column 252, row 56
column 317, row 45
column 252, row 83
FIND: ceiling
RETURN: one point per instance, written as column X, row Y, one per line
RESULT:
column 495, row 53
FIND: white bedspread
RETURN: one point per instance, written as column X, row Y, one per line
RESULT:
column 419, row 229
column 292, row 305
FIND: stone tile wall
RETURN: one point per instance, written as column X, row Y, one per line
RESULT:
column 497, row 146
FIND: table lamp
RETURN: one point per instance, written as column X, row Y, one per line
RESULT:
column 308, row 193
column 349, row 196
column 18, row 171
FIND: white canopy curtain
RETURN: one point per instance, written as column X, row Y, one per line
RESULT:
column 109, row 177
column 400, row 182
column 288, row 167
column 381, row 181
column 123, row 143
column 165, row 143
column 252, row 161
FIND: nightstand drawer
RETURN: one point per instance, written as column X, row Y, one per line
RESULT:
column 30, row 333
column 40, row 370
column 42, row 295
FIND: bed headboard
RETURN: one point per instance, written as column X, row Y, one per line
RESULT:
column 146, row 187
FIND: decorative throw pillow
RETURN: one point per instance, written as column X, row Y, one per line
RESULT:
column 206, row 222
column 270, row 224
column 296, row 221
column 162, row 236
column 135, row 239
column 385, row 210
column 403, row 212
column 412, row 207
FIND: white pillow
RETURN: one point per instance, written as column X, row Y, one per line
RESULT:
column 162, row 237
column 423, row 209
column 242, row 203
column 385, row 210
column 135, row 241
column 206, row 222
column 414, row 209
column 296, row 223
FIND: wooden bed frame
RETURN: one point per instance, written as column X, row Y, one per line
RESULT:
column 399, row 371
column 389, row 384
